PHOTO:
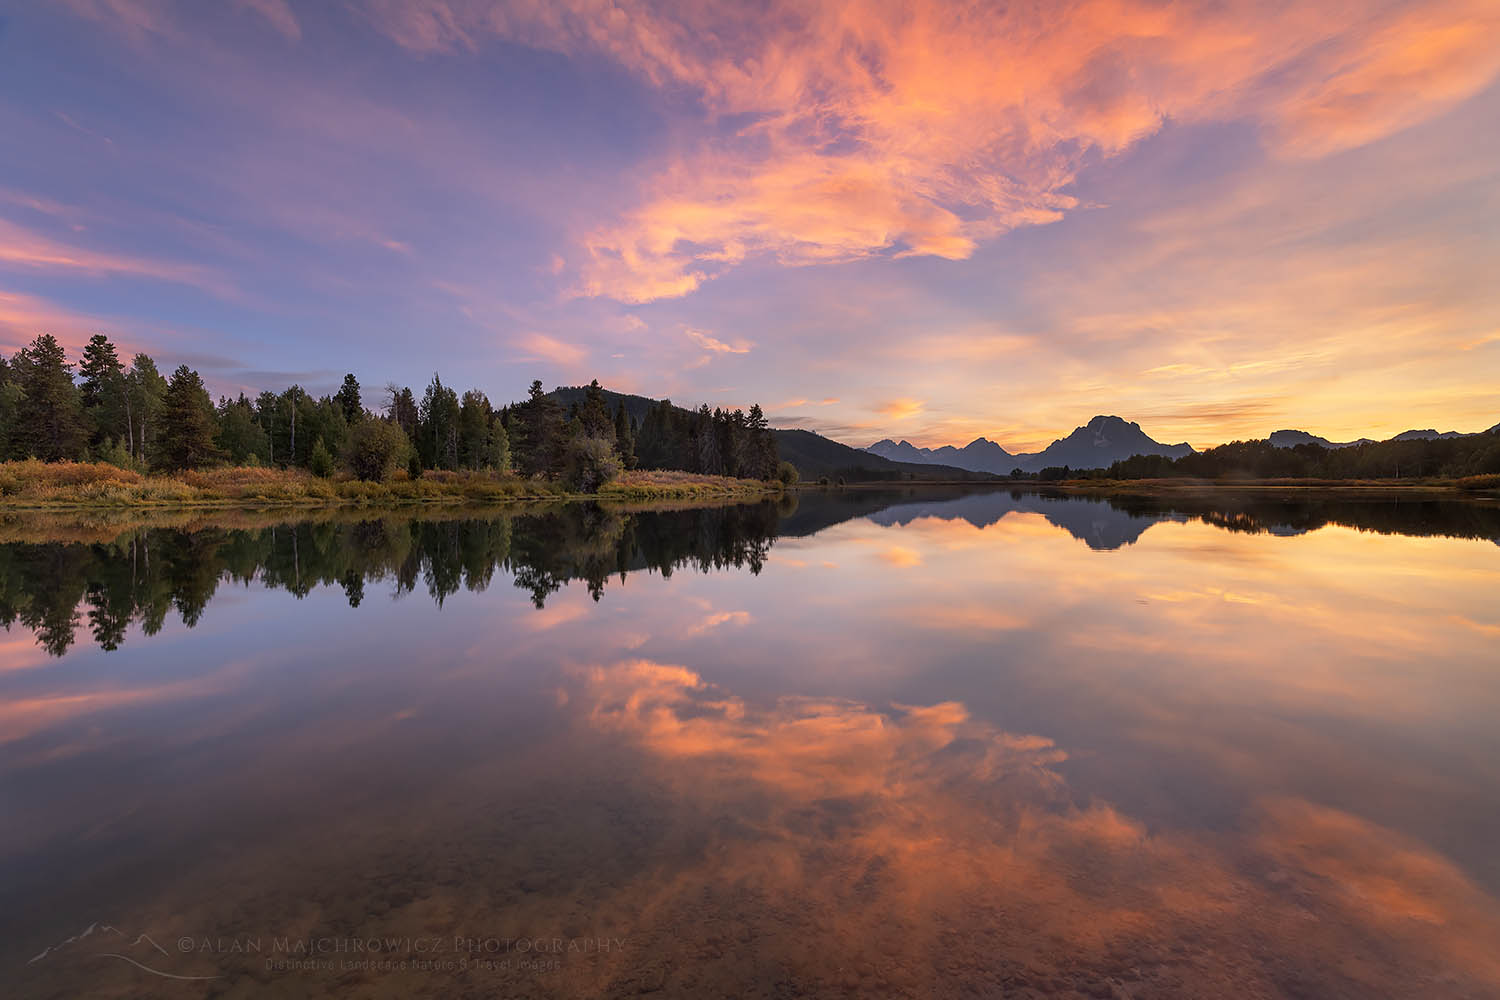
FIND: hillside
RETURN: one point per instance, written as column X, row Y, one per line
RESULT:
column 813, row 455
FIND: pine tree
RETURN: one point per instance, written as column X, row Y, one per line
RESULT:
column 348, row 399
column 49, row 413
column 146, row 393
column 625, row 436
column 187, row 432
column 105, row 401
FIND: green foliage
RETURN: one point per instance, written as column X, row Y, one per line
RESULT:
column 1472, row 455
column 187, row 433
column 146, row 391
column 438, row 426
column 240, row 436
column 537, row 439
column 348, row 399
column 320, row 463
column 376, row 449
column 591, row 462
column 103, row 391
column 49, row 412
column 786, row 474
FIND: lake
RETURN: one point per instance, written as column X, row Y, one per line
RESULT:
column 860, row 743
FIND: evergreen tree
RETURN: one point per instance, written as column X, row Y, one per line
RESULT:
column 103, row 392
column 187, row 431
column 146, row 393
column 240, row 437
column 348, row 399
column 437, row 426
column 49, row 413
column 474, row 419
column 624, row 436
column 594, row 414
column 538, row 447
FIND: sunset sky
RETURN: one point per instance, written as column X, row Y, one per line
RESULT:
column 919, row 220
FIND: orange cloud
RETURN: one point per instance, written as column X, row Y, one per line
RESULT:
column 708, row 342
column 876, row 127
column 539, row 346
column 900, row 409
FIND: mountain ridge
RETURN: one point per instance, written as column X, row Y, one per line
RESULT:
column 1101, row 442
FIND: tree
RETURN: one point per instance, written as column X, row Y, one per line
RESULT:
column 761, row 446
column 591, row 462
column 437, row 426
column 320, row 462
column 594, row 414
column 376, row 449
column 146, row 392
column 624, row 436
column 787, row 474
column 474, row 418
column 348, row 399
column 187, row 432
column 537, row 447
column 240, row 436
column 10, row 399
column 106, row 403
column 49, row 412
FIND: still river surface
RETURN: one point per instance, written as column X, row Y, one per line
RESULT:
column 867, row 743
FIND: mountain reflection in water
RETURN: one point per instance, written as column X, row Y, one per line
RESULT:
column 58, row 575
column 899, row 742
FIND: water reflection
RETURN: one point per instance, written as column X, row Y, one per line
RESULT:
column 884, row 744
column 63, row 576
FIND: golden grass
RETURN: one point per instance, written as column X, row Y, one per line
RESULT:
column 643, row 484
column 34, row 484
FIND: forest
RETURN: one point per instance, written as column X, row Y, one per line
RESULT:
column 1418, row 458
column 145, row 574
column 133, row 416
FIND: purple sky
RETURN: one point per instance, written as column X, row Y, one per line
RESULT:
column 907, row 220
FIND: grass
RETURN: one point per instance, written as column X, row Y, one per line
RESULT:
column 642, row 484
column 35, row 484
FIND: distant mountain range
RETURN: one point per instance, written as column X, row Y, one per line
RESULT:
column 1098, row 444
column 1290, row 439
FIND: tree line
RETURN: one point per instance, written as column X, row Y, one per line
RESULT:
column 140, row 578
column 133, row 416
column 1474, row 455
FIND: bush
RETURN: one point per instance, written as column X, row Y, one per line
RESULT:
column 320, row 463
column 590, row 463
column 787, row 473
column 376, row 449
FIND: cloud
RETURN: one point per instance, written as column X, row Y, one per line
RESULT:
column 23, row 249
column 900, row 409
column 708, row 342
column 278, row 15
column 836, row 132
column 540, row 346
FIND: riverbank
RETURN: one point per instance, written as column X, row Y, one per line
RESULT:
column 1487, row 487
column 35, row 485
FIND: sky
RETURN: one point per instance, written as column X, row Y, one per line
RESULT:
column 918, row 220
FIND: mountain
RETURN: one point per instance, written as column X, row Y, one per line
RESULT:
column 1096, row 445
column 1427, row 435
column 815, row 456
column 1099, row 444
column 1290, row 439
column 979, row 455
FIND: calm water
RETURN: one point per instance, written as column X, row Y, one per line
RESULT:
column 866, row 744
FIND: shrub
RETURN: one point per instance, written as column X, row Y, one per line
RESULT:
column 376, row 449
column 590, row 463
column 787, row 473
column 320, row 463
